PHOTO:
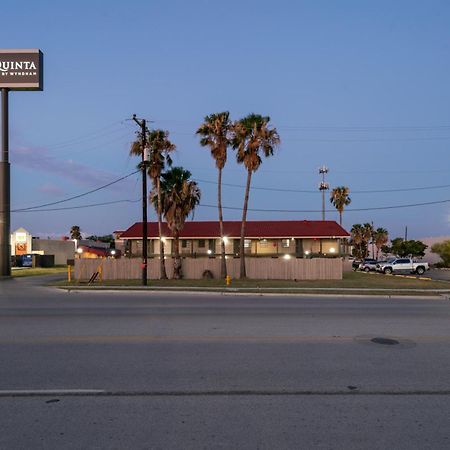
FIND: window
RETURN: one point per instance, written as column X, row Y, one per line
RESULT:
column 263, row 242
column 183, row 243
column 201, row 243
column 247, row 243
column 285, row 243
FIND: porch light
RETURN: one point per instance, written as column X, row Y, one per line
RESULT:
column 163, row 239
column 287, row 256
column 79, row 251
column 225, row 240
column 209, row 252
column 332, row 250
column 307, row 252
column 113, row 252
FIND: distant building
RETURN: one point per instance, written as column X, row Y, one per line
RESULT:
column 297, row 238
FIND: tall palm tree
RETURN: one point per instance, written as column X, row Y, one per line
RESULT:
column 159, row 147
column 179, row 197
column 368, row 236
column 381, row 237
column 75, row 232
column 252, row 138
column 215, row 134
column 357, row 240
column 339, row 197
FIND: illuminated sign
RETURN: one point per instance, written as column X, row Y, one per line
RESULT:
column 21, row 70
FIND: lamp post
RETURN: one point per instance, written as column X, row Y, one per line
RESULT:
column 142, row 124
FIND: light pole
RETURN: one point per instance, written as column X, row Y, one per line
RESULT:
column 142, row 124
column 323, row 186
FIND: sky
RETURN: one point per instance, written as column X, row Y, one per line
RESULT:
column 359, row 86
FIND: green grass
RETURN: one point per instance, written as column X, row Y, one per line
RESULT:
column 29, row 271
column 358, row 281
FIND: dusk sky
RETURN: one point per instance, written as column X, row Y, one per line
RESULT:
column 360, row 86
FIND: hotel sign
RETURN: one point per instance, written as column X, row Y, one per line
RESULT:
column 21, row 70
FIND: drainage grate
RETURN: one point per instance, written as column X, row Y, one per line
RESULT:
column 384, row 341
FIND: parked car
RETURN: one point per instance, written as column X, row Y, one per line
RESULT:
column 368, row 264
column 402, row 265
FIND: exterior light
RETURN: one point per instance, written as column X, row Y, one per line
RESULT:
column 287, row 256
column 113, row 252
column 307, row 252
column 79, row 251
column 225, row 240
column 209, row 252
column 163, row 239
column 332, row 250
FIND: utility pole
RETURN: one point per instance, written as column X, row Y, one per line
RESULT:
column 5, row 215
column 142, row 124
column 323, row 186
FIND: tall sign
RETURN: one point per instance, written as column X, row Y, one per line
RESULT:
column 20, row 70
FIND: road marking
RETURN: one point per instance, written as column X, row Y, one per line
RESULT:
column 357, row 391
column 209, row 339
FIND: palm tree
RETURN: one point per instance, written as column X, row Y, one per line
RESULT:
column 357, row 240
column 251, row 138
column 75, row 232
column 215, row 134
column 339, row 198
column 179, row 197
column 159, row 147
column 367, row 235
column 381, row 237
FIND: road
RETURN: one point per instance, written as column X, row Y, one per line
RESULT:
column 143, row 370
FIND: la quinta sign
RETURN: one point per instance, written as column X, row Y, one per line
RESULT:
column 21, row 70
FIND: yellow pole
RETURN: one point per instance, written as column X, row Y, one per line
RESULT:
column 69, row 273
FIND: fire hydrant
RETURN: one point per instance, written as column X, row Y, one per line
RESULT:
column 228, row 280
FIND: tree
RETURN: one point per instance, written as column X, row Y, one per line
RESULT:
column 215, row 134
column 357, row 240
column 443, row 250
column 159, row 147
column 380, row 237
column 251, row 138
column 179, row 197
column 368, row 236
column 403, row 248
column 75, row 232
column 339, row 197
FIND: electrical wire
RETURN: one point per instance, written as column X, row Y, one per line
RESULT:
column 423, row 188
column 411, row 205
column 77, row 196
column 78, row 207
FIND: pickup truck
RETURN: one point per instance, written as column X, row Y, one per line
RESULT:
column 403, row 265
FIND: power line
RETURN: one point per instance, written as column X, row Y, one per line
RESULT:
column 77, row 196
column 411, row 205
column 423, row 188
column 78, row 207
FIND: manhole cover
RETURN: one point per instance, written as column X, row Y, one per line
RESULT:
column 384, row 341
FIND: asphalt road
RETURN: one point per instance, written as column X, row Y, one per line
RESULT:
column 143, row 370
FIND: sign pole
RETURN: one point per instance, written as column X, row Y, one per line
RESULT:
column 5, row 219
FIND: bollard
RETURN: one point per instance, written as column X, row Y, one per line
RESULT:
column 228, row 280
column 69, row 273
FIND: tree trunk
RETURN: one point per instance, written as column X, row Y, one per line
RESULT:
column 340, row 218
column 162, row 265
column 223, row 263
column 243, row 273
column 177, row 272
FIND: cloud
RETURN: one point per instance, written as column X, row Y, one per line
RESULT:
column 50, row 188
column 38, row 159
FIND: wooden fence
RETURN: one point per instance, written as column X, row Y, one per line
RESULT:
column 194, row 268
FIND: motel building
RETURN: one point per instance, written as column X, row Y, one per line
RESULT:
column 296, row 238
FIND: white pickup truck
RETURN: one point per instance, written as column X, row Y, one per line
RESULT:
column 400, row 265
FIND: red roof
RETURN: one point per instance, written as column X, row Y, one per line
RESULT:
column 254, row 229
